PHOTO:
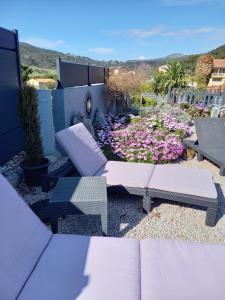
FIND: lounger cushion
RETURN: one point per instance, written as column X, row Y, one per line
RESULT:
column 86, row 268
column 23, row 238
column 82, row 149
column 136, row 175
column 188, row 181
column 175, row 270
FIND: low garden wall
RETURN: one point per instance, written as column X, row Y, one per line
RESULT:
column 58, row 107
column 70, row 101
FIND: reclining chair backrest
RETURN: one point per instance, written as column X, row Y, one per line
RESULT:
column 23, row 238
column 210, row 133
column 82, row 149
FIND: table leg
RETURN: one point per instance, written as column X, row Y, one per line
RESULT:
column 147, row 203
column 211, row 216
column 54, row 224
column 104, row 220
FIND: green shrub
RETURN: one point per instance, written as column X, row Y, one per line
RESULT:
column 28, row 113
column 135, row 119
column 135, row 97
column 107, row 150
column 184, row 105
column 147, row 101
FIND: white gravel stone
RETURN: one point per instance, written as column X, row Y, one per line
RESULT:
column 126, row 217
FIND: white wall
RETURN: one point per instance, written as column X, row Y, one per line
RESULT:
column 57, row 108
column 69, row 101
column 46, row 120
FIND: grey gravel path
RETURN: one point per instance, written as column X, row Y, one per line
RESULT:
column 166, row 220
column 126, row 218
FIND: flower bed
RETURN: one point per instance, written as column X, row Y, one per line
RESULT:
column 147, row 139
column 196, row 110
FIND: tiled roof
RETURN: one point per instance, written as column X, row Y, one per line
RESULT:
column 219, row 63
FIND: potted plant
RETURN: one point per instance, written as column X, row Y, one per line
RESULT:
column 34, row 165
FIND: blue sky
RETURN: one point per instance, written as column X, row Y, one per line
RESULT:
column 122, row 30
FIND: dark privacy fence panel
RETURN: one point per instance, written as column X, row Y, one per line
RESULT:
column 96, row 75
column 71, row 74
column 11, row 141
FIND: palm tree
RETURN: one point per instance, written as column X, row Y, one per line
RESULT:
column 175, row 75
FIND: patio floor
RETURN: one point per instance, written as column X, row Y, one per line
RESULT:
column 166, row 220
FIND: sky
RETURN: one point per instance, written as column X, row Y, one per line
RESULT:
column 118, row 30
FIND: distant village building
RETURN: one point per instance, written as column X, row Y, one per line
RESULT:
column 217, row 80
column 42, row 83
column 121, row 71
column 192, row 84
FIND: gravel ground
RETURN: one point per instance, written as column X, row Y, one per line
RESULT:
column 126, row 218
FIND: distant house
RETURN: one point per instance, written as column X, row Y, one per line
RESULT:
column 217, row 80
column 121, row 71
column 42, row 83
column 163, row 68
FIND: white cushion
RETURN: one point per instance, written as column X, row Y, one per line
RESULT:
column 175, row 270
column 189, row 181
column 82, row 149
column 126, row 174
column 23, row 238
column 86, row 268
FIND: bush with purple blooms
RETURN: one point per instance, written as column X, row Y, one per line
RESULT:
column 197, row 110
column 147, row 139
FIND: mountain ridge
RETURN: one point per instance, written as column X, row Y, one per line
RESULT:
column 46, row 59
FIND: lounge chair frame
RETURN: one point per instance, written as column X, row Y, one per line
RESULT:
column 211, row 139
column 210, row 204
column 148, row 194
column 201, row 154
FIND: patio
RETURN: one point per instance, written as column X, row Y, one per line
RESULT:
column 126, row 218
column 140, row 155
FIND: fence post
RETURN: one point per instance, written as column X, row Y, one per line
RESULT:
column 104, row 75
column 18, row 57
column 223, row 98
column 89, row 76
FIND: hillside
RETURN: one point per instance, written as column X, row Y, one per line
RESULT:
column 46, row 59
column 218, row 52
column 43, row 58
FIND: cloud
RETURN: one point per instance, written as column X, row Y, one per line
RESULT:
column 102, row 51
column 140, row 33
column 163, row 31
column 44, row 43
column 191, row 2
column 190, row 31
column 141, row 57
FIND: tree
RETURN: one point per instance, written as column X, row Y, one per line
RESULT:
column 127, row 82
column 26, row 72
column 28, row 112
column 158, row 83
column 203, row 69
column 173, row 77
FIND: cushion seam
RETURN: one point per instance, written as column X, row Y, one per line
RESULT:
column 35, row 265
column 100, row 169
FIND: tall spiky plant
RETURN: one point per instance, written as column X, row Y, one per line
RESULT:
column 28, row 113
